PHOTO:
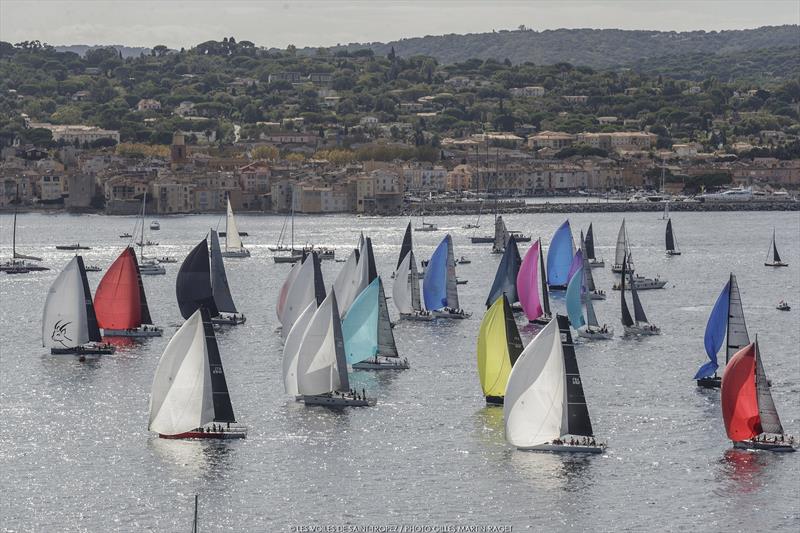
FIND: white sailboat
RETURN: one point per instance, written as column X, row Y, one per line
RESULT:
column 20, row 263
column 306, row 286
column 189, row 397
column 233, row 242
column 69, row 323
column 544, row 407
column 592, row 291
column 405, row 291
column 622, row 250
column 321, row 364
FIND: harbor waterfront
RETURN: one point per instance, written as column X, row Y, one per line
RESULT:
column 76, row 452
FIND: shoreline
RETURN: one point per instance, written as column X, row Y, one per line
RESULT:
column 456, row 208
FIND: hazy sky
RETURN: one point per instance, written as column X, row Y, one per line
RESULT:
column 177, row 23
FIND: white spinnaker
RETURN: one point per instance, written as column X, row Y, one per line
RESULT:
column 346, row 281
column 619, row 253
column 64, row 321
column 285, row 290
column 180, row 398
column 316, row 359
column 300, row 294
column 535, row 398
column 291, row 349
column 232, row 240
column 401, row 288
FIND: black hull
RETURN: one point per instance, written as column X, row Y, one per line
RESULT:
column 494, row 400
column 558, row 287
column 95, row 350
column 710, row 383
column 482, row 240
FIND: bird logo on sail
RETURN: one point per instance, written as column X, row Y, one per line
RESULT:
column 60, row 333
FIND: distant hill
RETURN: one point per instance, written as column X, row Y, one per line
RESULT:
column 127, row 51
column 586, row 47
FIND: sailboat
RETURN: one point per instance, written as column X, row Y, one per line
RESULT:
column 499, row 347
column 189, row 397
column 776, row 257
column 280, row 246
column 588, row 327
column 368, row 338
column 353, row 279
column 233, row 242
column 147, row 267
column 594, row 262
column 20, row 263
column 726, row 321
column 638, row 325
column 532, row 275
column 545, row 407
column 426, row 226
column 69, row 323
column 591, row 290
column 306, row 286
column 622, row 250
column 228, row 315
column 405, row 291
column 560, row 257
column 672, row 248
column 292, row 257
column 321, row 375
column 501, row 236
column 120, row 302
column 751, row 419
column 505, row 280
column 477, row 223
column 439, row 285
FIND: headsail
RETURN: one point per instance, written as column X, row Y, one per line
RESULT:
column 347, row 281
column 559, row 256
column 65, row 321
column 591, row 317
column 770, row 421
column 501, row 235
column 219, row 280
column 414, row 280
column 193, row 284
column 435, row 286
column 577, row 263
column 622, row 245
column 499, row 346
column 360, row 326
column 307, row 287
column 543, row 277
column 386, row 344
column 638, row 310
column 117, row 297
column 145, row 309
column 715, row 332
column 287, row 284
column 738, row 396
column 406, row 246
column 223, row 410
column 321, row 364
column 401, row 288
column 505, row 279
column 574, row 306
column 528, row 283
column 232, row 240
column 292, row 346
column 452, row 282
column 670, row 238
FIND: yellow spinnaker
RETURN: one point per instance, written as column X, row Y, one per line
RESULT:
column 494, row 363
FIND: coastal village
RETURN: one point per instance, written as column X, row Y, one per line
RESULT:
column 315, row 144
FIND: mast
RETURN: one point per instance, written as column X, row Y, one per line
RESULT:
column 451, row 285
column 145, row 309
column 577, row 412
column 627, row 320
column 14, row 231
column 736, row 334
column 141, row 239
column 543, row 275
column 223, row 410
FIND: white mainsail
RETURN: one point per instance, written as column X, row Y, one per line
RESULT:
column 401, row 289
column 291, row 349
column 181, row 396
column 279, row 309
column 300, row 294
column 64, row 322
column 318, row 369
column 233, row 243
column 737, row 337
column 535, row 400
column 346, row 282
column 622, row 246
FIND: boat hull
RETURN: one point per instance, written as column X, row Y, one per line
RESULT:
column 417, row 317
column 335, row 401
column 151, row 331
column 640, row 330
column 542, row 320
column 597, row 263
column 449, row 314
column 239, row 253
column 100, row 349
column 648, row 285
column 673, row 252
column 563, row 448
column 713, row 382
column 494, row 400
column 778, row 264
column 233, row 433
column 229, row 320
column 382, row 364
column 286, row 258
column 766, row 446
column 596, row 335
column 482, row 240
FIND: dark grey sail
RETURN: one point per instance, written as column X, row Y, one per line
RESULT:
column 219, row 280
column 416, row 304
column 91, row 317
column 770, row 421
column 223, row 410
column 737, row 337
column 543, row 282
column 587, row 269
column 578, row 421
column 670, row 238
column 193, row 284
column 505, row 280
column 638, row 310
column 513, row 340
column 373, row 271
column 776, row 257
column 338, row 341
column 589, row 243
column 627, row 320
column 406, row 246
column 386, row 344
column 145, row 309
column 319, row 283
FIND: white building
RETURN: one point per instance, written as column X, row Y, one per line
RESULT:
column 528, row 92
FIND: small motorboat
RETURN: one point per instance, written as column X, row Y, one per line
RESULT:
column 783, row 306
column 427, row 226
column 461, row 281
column 149, row 267
column 125, row 235
column 166, row 259
column 93, row 268
column 76, row 246
column 463, row 261
column 644, row 284
column 471, row 226
column 155, row 225
column 147, row 243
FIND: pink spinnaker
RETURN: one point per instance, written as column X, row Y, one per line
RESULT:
column 528, row 283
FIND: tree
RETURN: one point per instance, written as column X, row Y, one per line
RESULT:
column 270, row 153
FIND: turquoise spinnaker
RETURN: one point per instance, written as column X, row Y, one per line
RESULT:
column 360, row 326
column 574, row 308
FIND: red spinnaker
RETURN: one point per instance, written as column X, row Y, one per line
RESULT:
column 739, row 397
column 116, row 300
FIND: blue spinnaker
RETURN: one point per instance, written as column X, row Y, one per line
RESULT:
column 574, row 309
column 360, row 326
column 715, row 332
column 559, row 256
column 434, row 285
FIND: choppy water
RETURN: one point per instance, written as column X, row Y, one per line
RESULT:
column 75, row 454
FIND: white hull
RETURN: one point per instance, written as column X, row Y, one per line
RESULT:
column 595, row 295
column 644, row 285
column 244, row 252
column 150, row 270
column 449, row 314
column 766, row 446
column 597, row 263
column 151, row 331
column 382, row 364
column 417, row 317
column 563, row 448
column 335, row 401
column 642, row 330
